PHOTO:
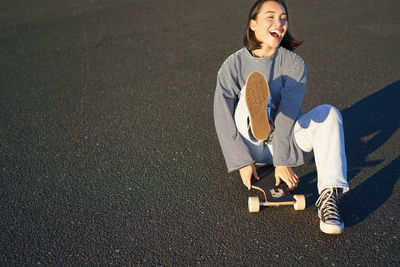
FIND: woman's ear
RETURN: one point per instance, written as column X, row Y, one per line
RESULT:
column 252, row 24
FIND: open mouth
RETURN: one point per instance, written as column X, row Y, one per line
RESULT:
column 275, row 33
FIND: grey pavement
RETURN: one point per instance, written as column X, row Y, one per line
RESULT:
column 108, row 153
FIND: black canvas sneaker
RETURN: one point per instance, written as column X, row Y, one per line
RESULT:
column 328, row 212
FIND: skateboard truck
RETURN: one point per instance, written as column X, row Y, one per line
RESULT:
column 299, row 203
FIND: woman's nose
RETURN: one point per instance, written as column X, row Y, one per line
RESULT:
column 278, row 22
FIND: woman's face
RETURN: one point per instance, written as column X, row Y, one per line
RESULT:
column 270, row 24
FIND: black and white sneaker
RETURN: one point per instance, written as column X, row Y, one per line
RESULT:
column 328, row 212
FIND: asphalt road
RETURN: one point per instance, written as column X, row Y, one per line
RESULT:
column 108, row 153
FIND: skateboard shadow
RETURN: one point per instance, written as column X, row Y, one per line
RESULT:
column 368, row 125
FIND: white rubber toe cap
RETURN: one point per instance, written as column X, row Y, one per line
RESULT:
column 331, row 227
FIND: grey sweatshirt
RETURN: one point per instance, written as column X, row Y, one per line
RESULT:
column 286, row 74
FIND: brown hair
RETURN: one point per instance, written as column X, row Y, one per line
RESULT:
column 249, row 38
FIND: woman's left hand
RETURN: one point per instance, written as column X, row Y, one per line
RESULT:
column 287, row 175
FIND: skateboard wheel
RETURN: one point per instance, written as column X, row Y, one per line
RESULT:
column 254, row 204
column 300, row 202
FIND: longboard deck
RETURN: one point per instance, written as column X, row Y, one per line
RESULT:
column 274, row 195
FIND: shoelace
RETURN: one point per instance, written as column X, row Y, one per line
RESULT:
column 328, row 205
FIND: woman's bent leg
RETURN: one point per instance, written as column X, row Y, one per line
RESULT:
column 321, row 130
column 261, row 152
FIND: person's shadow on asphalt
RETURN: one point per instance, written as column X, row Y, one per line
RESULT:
column 368, row 124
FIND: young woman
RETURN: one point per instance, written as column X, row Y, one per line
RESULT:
column 258, row 116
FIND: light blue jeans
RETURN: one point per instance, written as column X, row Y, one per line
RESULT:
column 320, row 130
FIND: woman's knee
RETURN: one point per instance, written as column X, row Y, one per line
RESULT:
column 335, row 113
column 329, row 112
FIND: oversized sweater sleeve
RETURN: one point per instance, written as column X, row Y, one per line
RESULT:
column 235, row 151
column 286, row 151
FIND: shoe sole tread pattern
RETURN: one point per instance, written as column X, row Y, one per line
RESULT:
column 257, row 96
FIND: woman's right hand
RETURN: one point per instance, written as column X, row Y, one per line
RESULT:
column 287, row 175
column 246, row 173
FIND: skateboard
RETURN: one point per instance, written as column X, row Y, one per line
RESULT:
column 274, row 195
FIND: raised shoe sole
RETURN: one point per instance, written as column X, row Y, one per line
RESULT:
column 257, row 96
